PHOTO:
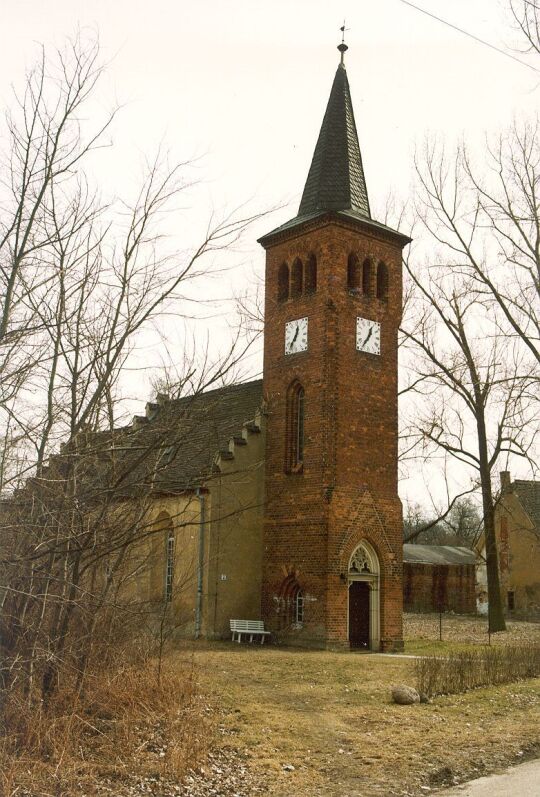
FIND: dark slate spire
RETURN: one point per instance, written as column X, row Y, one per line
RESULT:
column 336, row 177
column 336, row 187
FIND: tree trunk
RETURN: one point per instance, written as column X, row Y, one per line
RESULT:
column 495, row 607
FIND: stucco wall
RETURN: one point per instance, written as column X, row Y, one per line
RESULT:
column 233, row 563
column 519, row 558
column 145, row 570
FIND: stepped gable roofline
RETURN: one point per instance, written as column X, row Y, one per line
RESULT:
column 172, row 452
column 302, row 224
column 201, row 428
column 438, row 555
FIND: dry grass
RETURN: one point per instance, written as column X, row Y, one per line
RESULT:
column 127, row 722
column 462, row 632
column 329, row 715
column 326, row 714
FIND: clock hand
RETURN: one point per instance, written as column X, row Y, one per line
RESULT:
column 367, row 336
column 293, row 340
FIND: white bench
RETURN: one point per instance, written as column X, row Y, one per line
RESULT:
column 251, row 627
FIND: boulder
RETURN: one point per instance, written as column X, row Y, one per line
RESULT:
column 405, row 695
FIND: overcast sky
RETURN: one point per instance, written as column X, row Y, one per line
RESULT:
column 244, row 84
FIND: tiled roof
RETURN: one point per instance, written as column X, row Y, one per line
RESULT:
column 336, row 185
column 197, row 428
column 336, row 177
column 528, row 493
column 438, row 555
column 172, row 448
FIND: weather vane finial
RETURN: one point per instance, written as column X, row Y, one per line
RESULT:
column 343, row 47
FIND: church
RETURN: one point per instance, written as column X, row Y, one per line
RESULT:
column 278, row 500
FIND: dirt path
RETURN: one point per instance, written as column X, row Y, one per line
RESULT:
column 322, row 724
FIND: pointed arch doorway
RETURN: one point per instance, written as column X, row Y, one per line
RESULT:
column 364, row 598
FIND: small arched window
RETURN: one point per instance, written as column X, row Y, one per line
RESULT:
column 297, row 278
column 283, row 282
column 169, row 567
column 382, row 282
column 290, row 604
column 366, row 277
column 294, row 459
column 353, row 274
column 311, row 274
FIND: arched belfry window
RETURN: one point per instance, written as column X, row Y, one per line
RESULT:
column 294, row 454
column 353, row 274
column 311, row 274
column 366, row 277
column 283, row 282
column 297, row 278
column 382, row 282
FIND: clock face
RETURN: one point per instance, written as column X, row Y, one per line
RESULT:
column 368, row 336
column 296, row 336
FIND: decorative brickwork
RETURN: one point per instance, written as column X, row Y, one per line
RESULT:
column 347, row 489
column 344, row 306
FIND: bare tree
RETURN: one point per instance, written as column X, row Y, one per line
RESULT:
column 460, row 524
column 81, row 280
column 474, row 381
column 526, row 14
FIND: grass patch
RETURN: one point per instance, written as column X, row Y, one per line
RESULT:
column 427, row 647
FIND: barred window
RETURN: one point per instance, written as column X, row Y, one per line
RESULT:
column 299, row 608
column 297, row 278
column 353, row 274
column 291, row 603
column 366, row 277
column 169, row 568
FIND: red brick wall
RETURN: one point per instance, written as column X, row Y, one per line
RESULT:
column 348, row 488
column 428, row 588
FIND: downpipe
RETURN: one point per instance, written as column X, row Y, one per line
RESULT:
column 200, row 566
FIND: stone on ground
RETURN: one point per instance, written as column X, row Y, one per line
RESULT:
column 405, row 695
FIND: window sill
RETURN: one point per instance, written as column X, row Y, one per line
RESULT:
column 294, row 470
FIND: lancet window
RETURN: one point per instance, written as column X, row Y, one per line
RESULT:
column 295, row 428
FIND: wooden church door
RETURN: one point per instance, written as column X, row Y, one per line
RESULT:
column 359, row 614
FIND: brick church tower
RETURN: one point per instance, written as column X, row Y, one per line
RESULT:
column 332, row 555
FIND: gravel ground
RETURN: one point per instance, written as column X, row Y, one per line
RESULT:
column 224, row 774
column 467, row 629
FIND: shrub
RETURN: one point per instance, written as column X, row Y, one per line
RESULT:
column 126, row 721
column 459, row 672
